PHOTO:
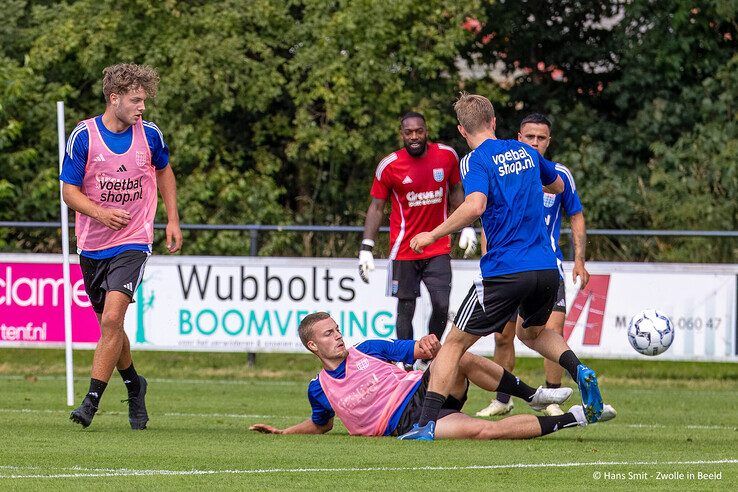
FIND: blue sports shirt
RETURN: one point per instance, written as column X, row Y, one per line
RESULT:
column 75, row 162
column 511, row 174
column 568, row 200
column 386, row 350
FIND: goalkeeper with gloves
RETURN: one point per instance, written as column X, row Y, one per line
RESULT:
column 423, row 184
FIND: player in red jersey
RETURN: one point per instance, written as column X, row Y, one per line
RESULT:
column 422, row 182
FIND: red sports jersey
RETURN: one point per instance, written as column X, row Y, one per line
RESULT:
column 419, row 187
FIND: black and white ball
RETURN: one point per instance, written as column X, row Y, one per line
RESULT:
column 650, row 332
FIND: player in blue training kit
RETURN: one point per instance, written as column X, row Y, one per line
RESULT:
column 535, row 130
column 503, row 182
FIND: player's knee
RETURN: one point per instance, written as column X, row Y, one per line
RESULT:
column 488, row 431
column 112, row 322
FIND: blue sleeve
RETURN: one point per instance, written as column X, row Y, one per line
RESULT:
column 389, row 350
column 159, row 148
column 569, row 197
column 75, row 156
column 322, row 409
column 474, row 174
column 548, row 170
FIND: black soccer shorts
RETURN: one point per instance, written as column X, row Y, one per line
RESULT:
column 492, row 302
column 120, row 273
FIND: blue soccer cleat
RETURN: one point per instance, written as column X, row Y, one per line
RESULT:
column 417, row 433
column 591, row 397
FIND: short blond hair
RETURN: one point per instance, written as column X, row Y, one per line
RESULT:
column 474, row 112
column 305, row 330
column 125, row 77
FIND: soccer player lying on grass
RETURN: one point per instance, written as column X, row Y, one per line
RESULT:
column 373, row 397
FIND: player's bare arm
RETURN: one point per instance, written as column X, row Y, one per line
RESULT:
column 374, row 216
column 305, row 427
column 167, row 184
column 114, row 218
column 468, row 237
column 556, row 187
column 466, row 213
column 579, row 234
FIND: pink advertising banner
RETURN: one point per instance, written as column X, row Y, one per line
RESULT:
column 32, row 305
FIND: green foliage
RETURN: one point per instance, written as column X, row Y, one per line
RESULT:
column 277, row 112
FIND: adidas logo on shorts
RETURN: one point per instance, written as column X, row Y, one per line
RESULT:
column 128, row 286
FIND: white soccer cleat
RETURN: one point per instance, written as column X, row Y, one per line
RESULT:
column 578, row 413
column 608, row 413
column 553, row 410
column 546, row 396
column 496, row 408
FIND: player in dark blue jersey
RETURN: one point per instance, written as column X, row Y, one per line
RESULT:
column 503, row 182
column 535, row 130
column 358, row 384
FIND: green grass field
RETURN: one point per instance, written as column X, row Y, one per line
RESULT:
column 675, row 422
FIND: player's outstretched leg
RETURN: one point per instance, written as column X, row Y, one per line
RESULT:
column 552, row 346
column 461, row 426
column 490, row 376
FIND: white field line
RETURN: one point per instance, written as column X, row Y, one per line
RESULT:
column 259, row 416
column 79, row 472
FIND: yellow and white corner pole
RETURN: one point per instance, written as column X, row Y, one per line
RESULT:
column 65, row 262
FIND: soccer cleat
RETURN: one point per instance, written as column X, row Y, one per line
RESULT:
column 578, row 413
column 84, row 413
column 417, row 433
column 608, row 413
column 553, row 410
column 591, row 397
column 137, row 415
column 543, row 397
column 496, row 407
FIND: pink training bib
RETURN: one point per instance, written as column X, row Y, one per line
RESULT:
column 126, row 181
column 369, row 394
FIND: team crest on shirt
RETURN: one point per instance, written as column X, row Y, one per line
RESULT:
column 438, row 174
column 548, row 199
column 362, row 365
column 140, row 158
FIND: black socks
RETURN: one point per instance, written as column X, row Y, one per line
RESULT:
column 431, row 407
column 511, row 385
column 552, row 424
column 570, row 361
column 130, row 379
column 96, row 391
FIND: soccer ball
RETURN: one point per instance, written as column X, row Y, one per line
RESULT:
column 650, row 332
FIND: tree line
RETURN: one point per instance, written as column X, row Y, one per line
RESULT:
column 277, row 111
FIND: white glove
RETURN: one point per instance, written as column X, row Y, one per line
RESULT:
column 366, row 260
column 468, row 241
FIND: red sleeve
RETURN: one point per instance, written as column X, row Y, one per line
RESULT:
column 380, row 190
column 455, row 176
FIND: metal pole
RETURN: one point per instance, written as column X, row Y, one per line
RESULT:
column 65, row 263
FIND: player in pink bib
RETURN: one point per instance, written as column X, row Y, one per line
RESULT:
column 363, row 387
column 112, row 167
